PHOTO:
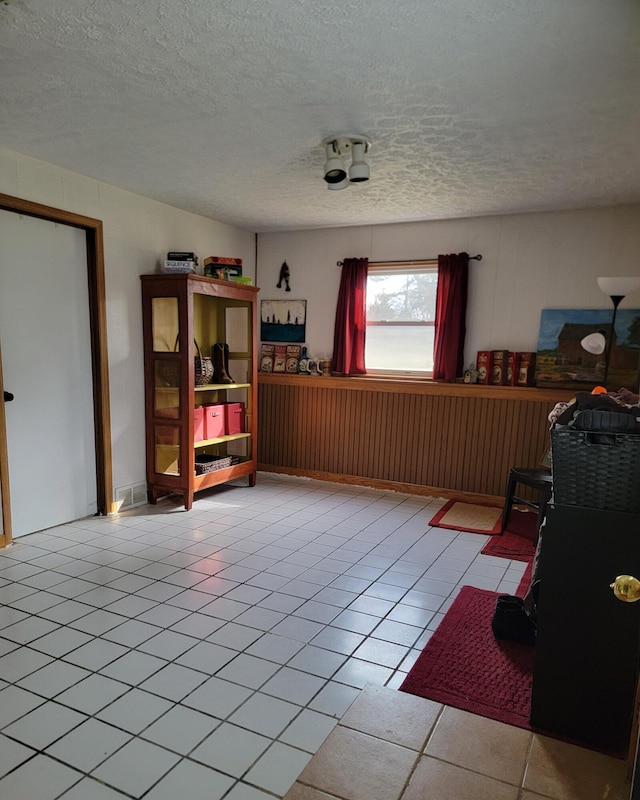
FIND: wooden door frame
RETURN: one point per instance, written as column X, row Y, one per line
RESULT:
column 99, row 354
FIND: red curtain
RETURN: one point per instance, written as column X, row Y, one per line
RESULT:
column 451, row 312
column 351, row 318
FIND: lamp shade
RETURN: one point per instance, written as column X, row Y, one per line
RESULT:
column 594, row 343
column 618, row 287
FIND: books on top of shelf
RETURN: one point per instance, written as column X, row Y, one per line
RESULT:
column 180, row 261
column 175, row 266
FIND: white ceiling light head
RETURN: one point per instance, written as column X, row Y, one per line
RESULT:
column 341, row 185
column 359, row 169
column 334, row 171
column 337, row 148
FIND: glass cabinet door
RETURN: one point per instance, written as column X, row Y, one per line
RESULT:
column 166, row 383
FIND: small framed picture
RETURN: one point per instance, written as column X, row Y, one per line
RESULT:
column 283, row 321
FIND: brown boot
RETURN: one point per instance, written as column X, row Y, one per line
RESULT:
column 225, row 347
column 220, row 355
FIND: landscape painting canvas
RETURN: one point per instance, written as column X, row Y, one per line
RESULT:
column 283, row 321
column 563, row 363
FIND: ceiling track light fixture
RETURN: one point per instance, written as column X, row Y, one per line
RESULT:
column 337, row 147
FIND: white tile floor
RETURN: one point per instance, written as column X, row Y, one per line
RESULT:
column 208, row 654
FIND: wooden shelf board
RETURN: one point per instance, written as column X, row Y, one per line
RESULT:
column 216, row 386
column 230, row 438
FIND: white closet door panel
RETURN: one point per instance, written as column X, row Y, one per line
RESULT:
column 46, row 356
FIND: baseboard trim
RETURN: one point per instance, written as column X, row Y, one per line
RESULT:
column 393, row 486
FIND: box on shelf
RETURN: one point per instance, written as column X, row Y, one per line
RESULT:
column 179, row 267
column 266, row 357
column 226, row 261
column 222, row 267
column 234, row 418
column 499, row 366
column 182, row 255
column 280, row 358
column 511, row 369
column 483, row 365
column 214, row 420
column 198, row 424
column 292, row 358
column 525, row 369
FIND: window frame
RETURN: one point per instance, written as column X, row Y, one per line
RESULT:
column 417, row 266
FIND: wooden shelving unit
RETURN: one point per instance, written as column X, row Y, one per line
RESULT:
column 178, row 311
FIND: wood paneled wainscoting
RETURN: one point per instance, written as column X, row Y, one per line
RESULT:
column 416, row 437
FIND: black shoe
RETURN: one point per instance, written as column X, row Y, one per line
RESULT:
column 509, row 601
column 510, row 621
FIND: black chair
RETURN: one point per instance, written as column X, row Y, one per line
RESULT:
column 539, row 479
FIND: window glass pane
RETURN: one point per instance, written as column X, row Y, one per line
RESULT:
column 166, row 402
column 238, row 328
column 166, row 372
column 402, row 297
column 164, row 323
column 407, row 348
column 167, row 450
column 398, row 295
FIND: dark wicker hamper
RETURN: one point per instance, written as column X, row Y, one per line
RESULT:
column 596, row 470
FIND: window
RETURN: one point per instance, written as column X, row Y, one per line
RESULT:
column 401, row 311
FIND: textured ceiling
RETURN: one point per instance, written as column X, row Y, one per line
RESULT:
column 219, row 107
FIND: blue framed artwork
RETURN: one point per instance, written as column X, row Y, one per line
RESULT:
column 283, row 321
column 563, row 363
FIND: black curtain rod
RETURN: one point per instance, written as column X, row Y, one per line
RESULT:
column 413, row 260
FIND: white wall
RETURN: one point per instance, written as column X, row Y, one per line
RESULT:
column 530, row 262
column 138, row 232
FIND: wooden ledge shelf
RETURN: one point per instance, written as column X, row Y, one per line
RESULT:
column 408, row 386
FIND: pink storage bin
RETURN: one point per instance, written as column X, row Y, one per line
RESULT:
column 198, row 424
column 234, row 418
column 214, row 420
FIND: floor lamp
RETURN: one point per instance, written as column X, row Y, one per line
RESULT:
column 617, row 289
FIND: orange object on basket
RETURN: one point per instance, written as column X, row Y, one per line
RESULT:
column 599, row 390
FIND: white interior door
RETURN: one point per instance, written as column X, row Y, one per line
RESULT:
column 46, row 358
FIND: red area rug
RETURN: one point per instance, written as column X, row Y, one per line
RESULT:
column 464, row 666
column 518, row 541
